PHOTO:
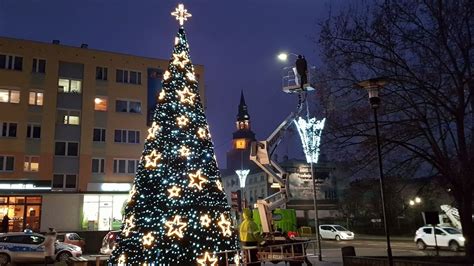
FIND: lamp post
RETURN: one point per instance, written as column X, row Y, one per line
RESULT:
column 373, row 86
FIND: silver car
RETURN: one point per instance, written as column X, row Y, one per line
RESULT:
column 29, row 247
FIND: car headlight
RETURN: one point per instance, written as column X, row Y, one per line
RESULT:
column 461, row 238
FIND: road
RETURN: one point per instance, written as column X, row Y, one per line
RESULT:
column 331, row 250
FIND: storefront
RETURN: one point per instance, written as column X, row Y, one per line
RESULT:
column 23, row 211
column 103, row 211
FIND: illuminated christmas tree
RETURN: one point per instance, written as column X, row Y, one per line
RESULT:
column 177, row 213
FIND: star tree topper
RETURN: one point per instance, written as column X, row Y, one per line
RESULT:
column 181, row 14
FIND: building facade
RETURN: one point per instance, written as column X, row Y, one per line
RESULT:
column 73, row 121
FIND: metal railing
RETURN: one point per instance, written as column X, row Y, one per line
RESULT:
column 281, row 252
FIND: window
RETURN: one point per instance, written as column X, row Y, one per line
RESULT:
column 98, row 135
column 100, row 104
column 64, row 148
column 125, row 166
column 69, row 85
column 101, row 73
column 7, row 163
column 11, row 62
column 9, row 96
column 427, row 231
column 9, row 129
column 126, row 136
column 39, row 65
column 33, row 239
column 61, row 181
column 124, row 106
column 68, row 117
column 98, row 165
column 31, row 164
column 35, row 98
column 33, row 131
column 128, row 76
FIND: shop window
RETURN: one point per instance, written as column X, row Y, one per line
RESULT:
column 9, row 129
column 100, row 104
column 9, row 96
column 31, row 164
column 69, row 85
column 33, row 200
column 35, row 98
column 39, row 65
column 33, row 131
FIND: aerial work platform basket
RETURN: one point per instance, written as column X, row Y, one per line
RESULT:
column 291, row 81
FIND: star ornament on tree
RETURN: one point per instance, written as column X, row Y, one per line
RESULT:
column 207, row 259
column 175, row 227
column 153, row 130
column 174, row 192
column 152, row 159
column 162, row 94
column 131, row 193
column 180, row 59
column 224, row 224
column 197, row 180
column 182, row 120
column 185, row 152
column 148, row 239
column 129, row 224
column 181, row 14
column 202, row 133
column 122, row 260
column 205, row 220
column 186, row 96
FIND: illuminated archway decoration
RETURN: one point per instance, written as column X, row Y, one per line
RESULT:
column 310, row 133
column 242, row 176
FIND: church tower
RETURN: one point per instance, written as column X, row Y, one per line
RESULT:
column 238, row 156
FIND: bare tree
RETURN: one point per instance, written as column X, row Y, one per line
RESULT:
column 427, row 123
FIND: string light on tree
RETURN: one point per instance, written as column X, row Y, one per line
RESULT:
column 176, row 201
column 219, row 185
column 175, row 227
column 131, row 193
column 207, row 259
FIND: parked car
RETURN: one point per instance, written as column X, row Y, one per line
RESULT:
column 108, row 242
column 334, row 231
column 29, row 247
column 71, row 238
column 448, row 237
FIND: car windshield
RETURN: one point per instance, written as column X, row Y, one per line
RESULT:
column 452, row 231
column 340, row 228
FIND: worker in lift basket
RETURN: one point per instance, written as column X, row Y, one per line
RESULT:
column 250, row 236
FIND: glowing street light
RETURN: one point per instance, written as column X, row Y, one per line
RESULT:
column 417, row 200
column 411, row 202
column 284, row 56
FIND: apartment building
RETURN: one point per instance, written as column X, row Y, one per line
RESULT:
column 73, row 123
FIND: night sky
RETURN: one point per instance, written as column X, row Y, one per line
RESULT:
column 236, row 41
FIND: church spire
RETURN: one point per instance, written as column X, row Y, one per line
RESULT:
column 242, row 114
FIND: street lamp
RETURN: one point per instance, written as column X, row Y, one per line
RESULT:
column 373, row 86
column 417, row 200
column 284, row 56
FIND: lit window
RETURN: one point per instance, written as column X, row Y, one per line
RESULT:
column 31, row 164
column 9, row 96
column 69, row 85
column 35, row 98
column 100, row 104
column 68, row 117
